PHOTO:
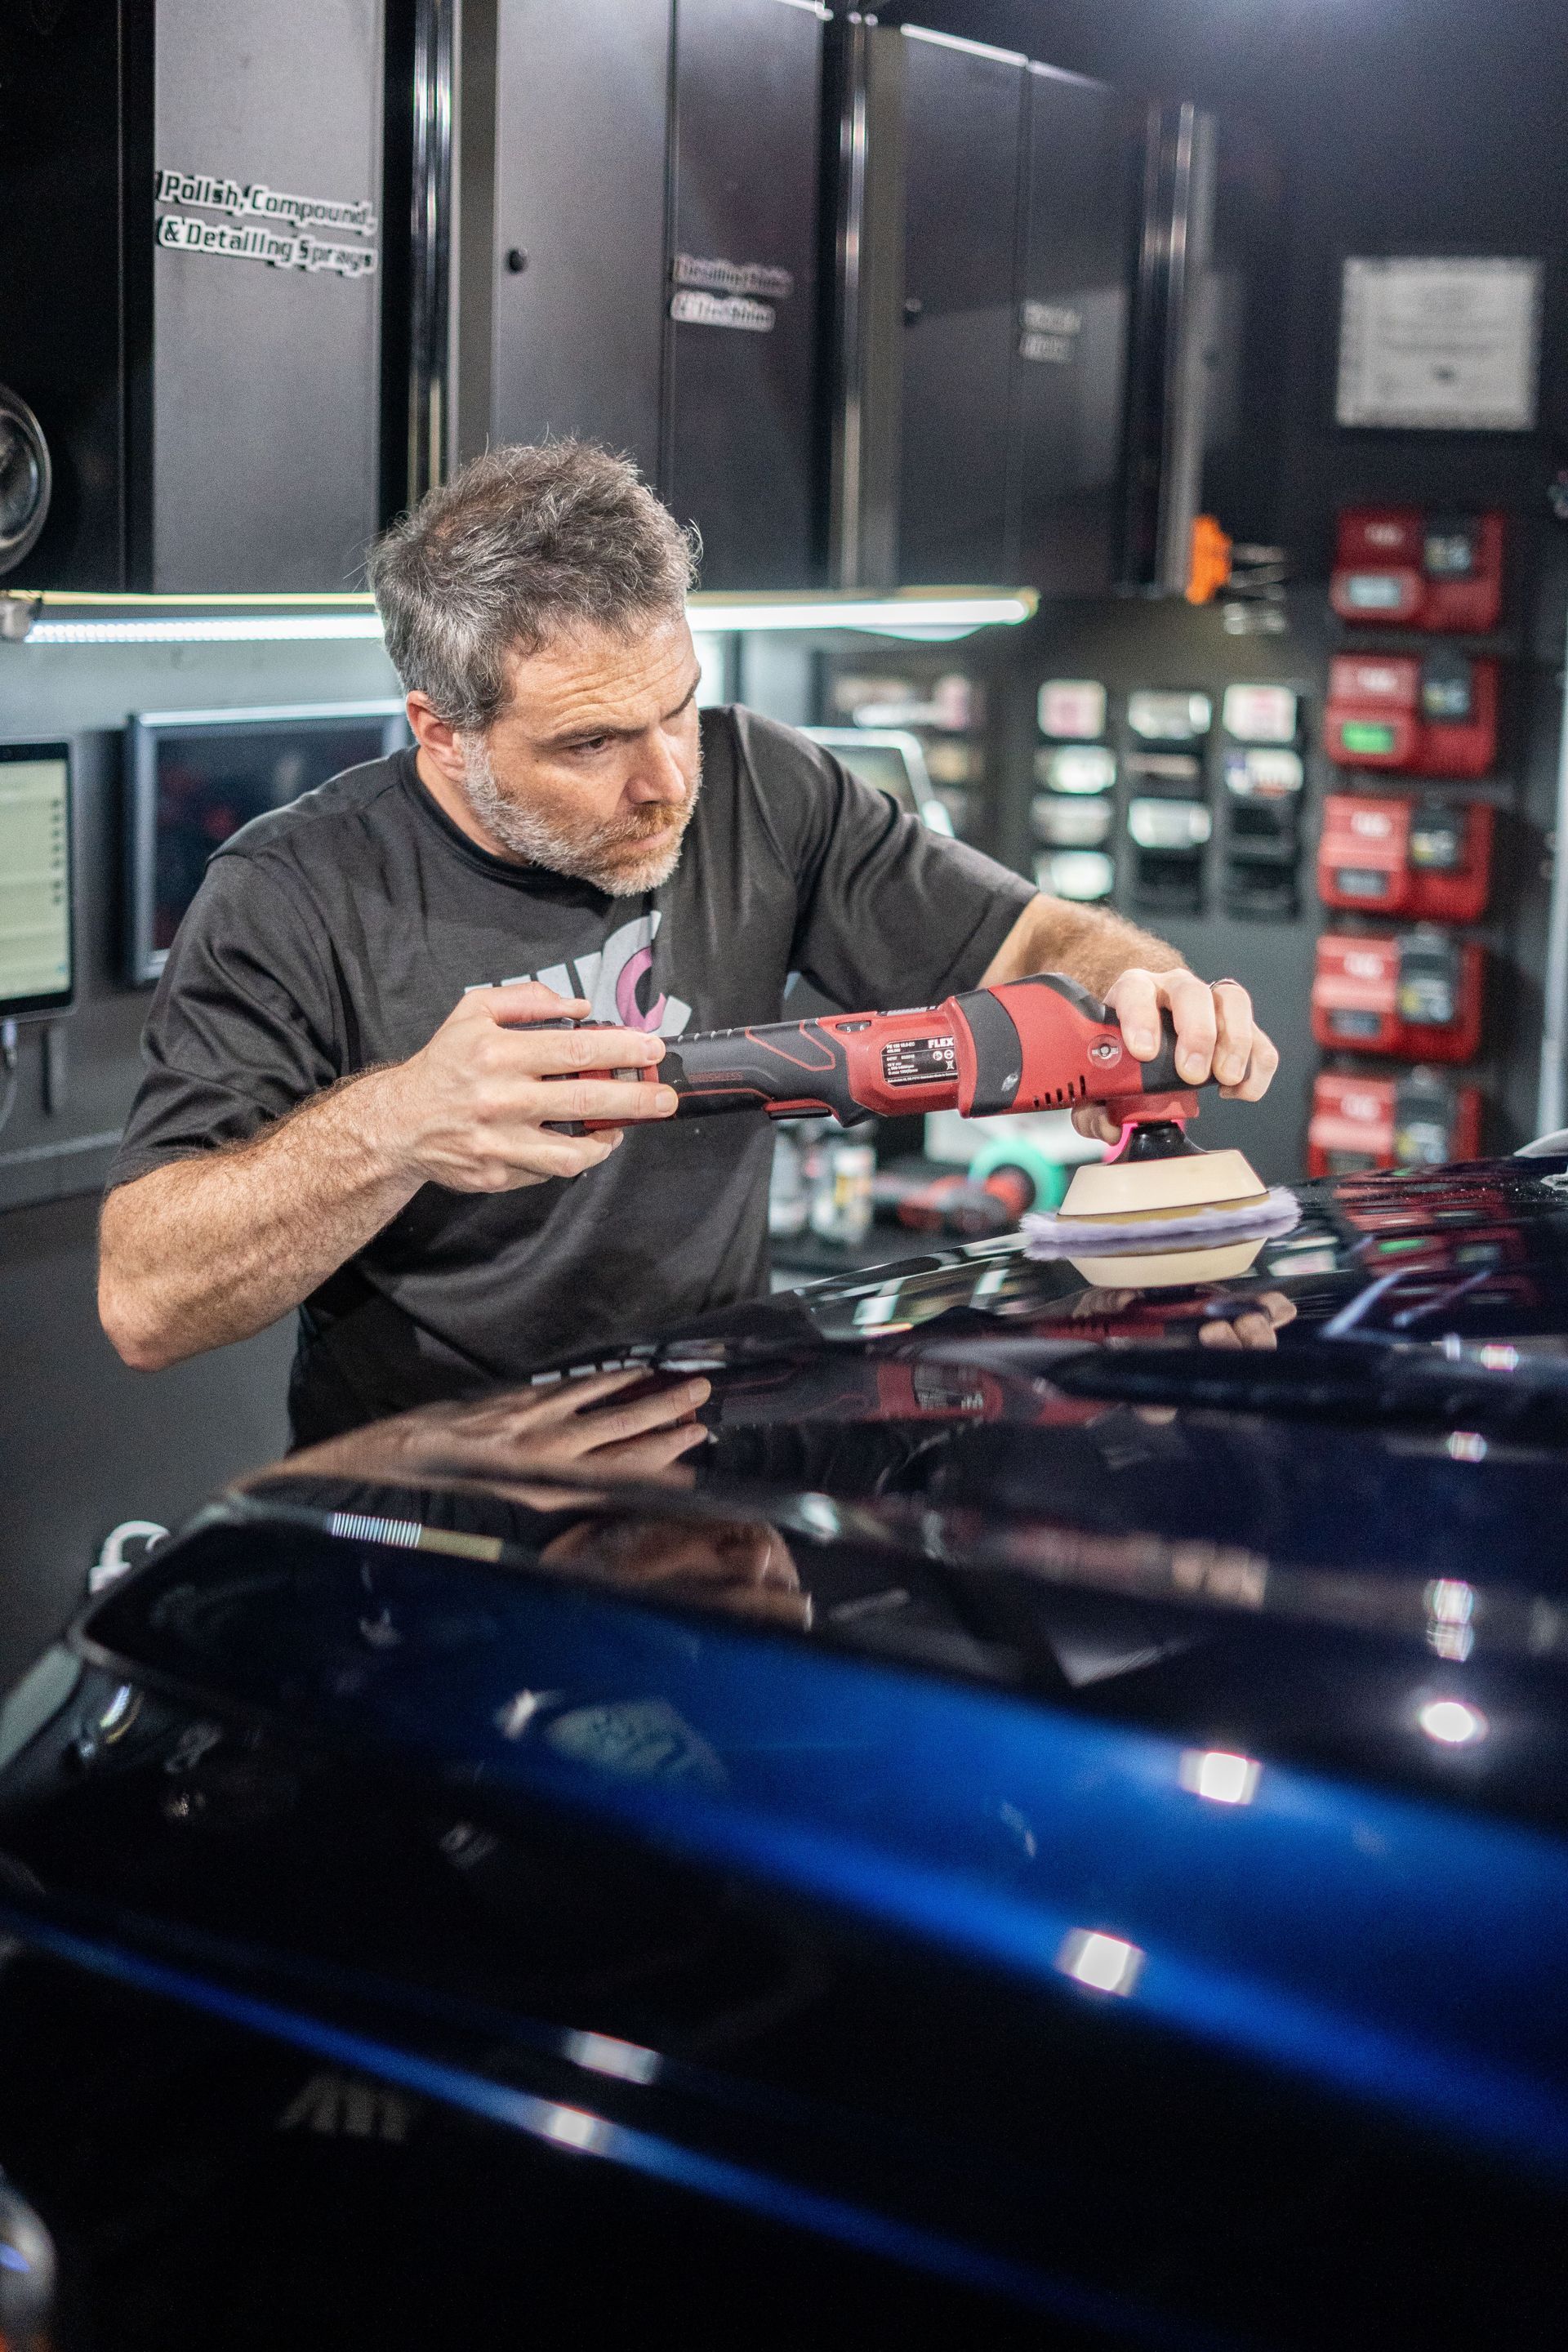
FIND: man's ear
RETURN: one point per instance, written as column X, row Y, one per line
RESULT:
column 436, row 740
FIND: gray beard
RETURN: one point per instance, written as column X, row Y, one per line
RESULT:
column 589, row 855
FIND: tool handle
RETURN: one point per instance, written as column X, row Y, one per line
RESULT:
column 1040, row 1043
column 844, row 1065
column 790, row 1069
column 642, row 1074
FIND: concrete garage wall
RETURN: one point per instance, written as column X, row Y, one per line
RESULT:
column 83, row 1442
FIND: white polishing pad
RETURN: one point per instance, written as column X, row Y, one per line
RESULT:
column 1195, row 1231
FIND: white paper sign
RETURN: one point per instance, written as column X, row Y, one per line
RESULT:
column 1441, row 345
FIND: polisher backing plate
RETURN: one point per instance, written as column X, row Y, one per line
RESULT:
column 1169, row 1269
column 1136, row 1191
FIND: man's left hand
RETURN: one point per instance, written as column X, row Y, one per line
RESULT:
column 1215, row 1035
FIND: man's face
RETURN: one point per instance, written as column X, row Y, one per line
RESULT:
column 592, row 767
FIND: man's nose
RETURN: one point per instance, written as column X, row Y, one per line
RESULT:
column 657, row 772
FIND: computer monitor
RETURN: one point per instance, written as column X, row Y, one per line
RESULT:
column 193, row 777
column 893, row 761
column 38, row 937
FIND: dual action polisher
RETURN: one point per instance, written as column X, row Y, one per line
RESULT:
column 1035, row 1044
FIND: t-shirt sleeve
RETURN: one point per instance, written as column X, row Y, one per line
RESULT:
column 889, row 912
column 242, row 1027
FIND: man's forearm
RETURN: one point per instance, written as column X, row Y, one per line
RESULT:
column 504, row 1095
column 216, row 1247
column 1089, row 944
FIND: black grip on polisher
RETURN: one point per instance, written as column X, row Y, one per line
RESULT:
column 1161, row 1075
column 795, row 1068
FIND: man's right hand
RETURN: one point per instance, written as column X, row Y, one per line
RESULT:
column 476, row 1107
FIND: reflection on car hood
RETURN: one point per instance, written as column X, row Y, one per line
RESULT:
column 982, row 1465
column 1183, row 1670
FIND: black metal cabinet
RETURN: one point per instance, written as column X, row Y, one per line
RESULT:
column 639, row 265
column 573, row 272
column 59, row 266
column 1021, row 273
column 189, row 237
column 1076, row 258
column 261, row 393
column 963, row 128
column 740, row 426
column 1169, row 363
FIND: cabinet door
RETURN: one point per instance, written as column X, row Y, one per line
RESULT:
column 61, row 350
column 581, row 110
column 257, row 397
column 741, row 428
column 963, row 127
column 1070, row 342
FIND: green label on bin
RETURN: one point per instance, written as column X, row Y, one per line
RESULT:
column 1366, row 736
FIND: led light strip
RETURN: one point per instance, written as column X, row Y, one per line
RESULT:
column 907, row 615
column 206, row 628
column 970, row 48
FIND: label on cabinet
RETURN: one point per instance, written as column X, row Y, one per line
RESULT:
column 716, row 277
column 690, row 309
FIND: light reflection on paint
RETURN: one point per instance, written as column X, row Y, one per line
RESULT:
column 571, row 2127
column 604, row 2055
column 1450, row 1603
column 1453, row 1722
column 1103, row 1963
column 1219, row 1775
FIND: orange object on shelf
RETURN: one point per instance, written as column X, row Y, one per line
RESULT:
column 1209, row 566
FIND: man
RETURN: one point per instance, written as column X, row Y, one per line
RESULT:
column 350, row 1105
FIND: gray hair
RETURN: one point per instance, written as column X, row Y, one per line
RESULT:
column 521, row 544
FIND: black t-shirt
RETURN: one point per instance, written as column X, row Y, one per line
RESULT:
column 340, row 931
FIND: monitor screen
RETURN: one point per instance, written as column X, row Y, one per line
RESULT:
column 194, row 777
column 892, row 761
column 36, row 928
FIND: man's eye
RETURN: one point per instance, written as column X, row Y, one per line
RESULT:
column 591, row 744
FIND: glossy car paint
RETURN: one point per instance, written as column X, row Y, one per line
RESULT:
column 1109, row 1745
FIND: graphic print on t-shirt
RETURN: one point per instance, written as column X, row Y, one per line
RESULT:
column 610, row 978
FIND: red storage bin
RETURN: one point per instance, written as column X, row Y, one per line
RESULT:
column 1396, row 567
column 1384, row 853
column 1433, row 715
column 1417, row 1118
column 1416, row 997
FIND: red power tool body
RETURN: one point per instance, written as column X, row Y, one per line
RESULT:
column 1040, row 1043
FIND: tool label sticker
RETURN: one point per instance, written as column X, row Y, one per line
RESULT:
column 919, row 1061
